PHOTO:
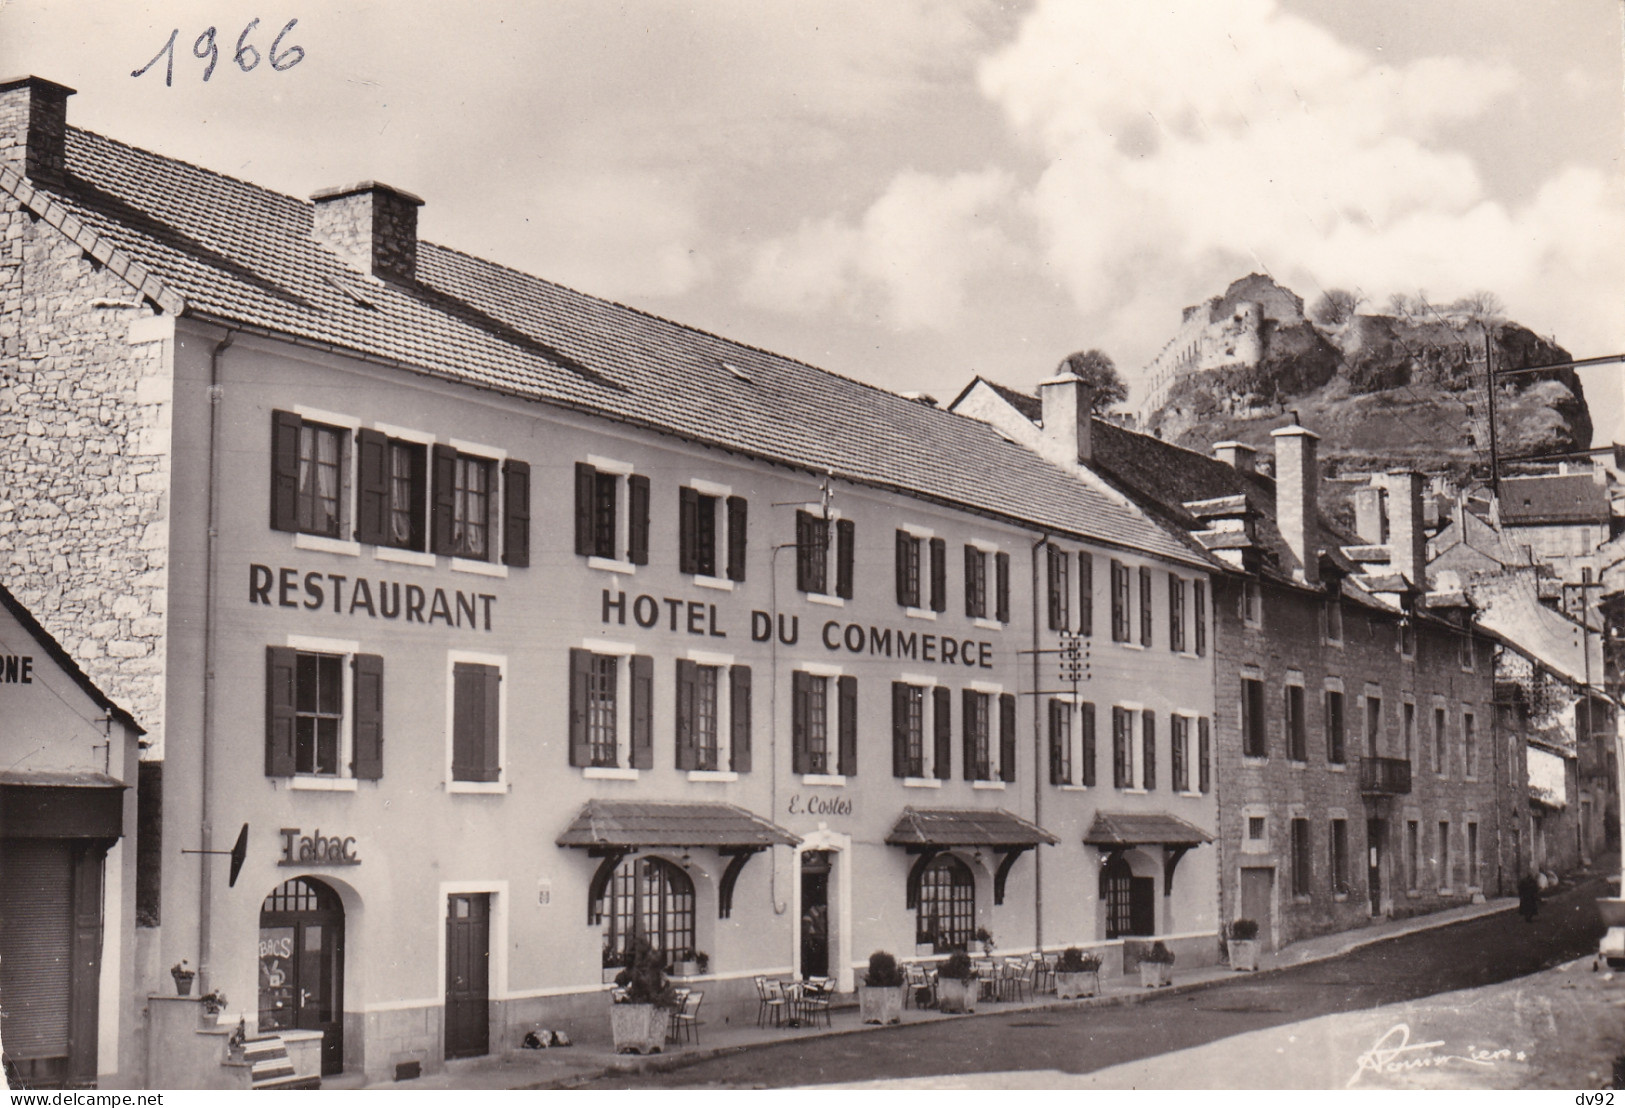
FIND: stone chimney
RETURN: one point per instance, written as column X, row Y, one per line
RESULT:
column 34, row 128
column 1237, row 455
column 1370, row 516
column 1069, row 406
column 1297, row 499
column 1407, row 539
column 372, row 227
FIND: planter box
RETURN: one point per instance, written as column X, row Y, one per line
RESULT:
column 954, row 995
column 1154, row 975
column 881, row 1004
column 1071, row 985
column 639, row 1028
column 1244, row 954
column 609, row 974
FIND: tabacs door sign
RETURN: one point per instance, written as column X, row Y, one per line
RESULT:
column 316, row 849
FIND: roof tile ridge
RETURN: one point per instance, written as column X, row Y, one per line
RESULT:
column 133, row 273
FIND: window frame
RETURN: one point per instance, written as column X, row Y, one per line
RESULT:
column 1294, row 720
column 960, row 887
column 632, row 706
column 1336, row 725
column 825, row 578
column 1338, row 857
column 1254, row 724
column 359, row 734
column 612, row 535
column 1301, row 848
column 723, row 536
column 669, row 895
column 810, row 682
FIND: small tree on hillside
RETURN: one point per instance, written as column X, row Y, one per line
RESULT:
column 1097, row 369
column 1334, row 308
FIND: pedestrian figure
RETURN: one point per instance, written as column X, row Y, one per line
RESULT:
column 1528, row 897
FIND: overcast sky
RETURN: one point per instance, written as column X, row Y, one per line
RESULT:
column 913, row 192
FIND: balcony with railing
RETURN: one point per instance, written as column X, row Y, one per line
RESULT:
column 1385, row 776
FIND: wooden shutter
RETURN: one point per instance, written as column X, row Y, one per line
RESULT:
column 1120, row 753
column 800, row 762
column 285, row 471
column 1199, row 610
column 372, row 487
column 1148, row 751
column 807, row 549
column 845, row 541
column 971, row 566
column 905, row 596
column 688, row 526
column 1179, row 737
column 899, row 728
column 1007, row 737
column 1146, row 621
column 580, row 675
column 967, row 732
column 1057, row 595
column 475, row 719
column 847, row 693
column 1086, row 747
column 367, row 763
column 637, row 520
column 939, row 575
column 443, row 473
column 1204, row 753
column 280, row 686
column 739, row 719
column 643, row 685
column 1001, row 574
column 586, row 509
column 738, row 535
column 1057, row 710
column 942, row 725
column 1086, row 593
column 515, row 513
column 687, row 673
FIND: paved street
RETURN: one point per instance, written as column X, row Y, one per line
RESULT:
column 1476, row 953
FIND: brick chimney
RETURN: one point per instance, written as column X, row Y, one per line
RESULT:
column 1370, row 516
column 34, row 128
column 1407, row 539
column 1237, row 455
column 372, row 227
column 1069, row 406
column 1297, row 499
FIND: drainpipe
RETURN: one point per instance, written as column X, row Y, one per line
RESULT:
column 1039, row 761
column 205, row 935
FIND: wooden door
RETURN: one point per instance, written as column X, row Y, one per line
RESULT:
column 301, row 956
column 468, row 974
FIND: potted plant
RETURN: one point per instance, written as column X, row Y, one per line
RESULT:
column 183, row 973
column 641, row 1010
column 880, row 997
column 702, row 961
column 1077, row 974
column 956, row 984
column 614, row 961
column 214, row 1001
column 1154, row 965
column 984, row 938
column 1244, row 945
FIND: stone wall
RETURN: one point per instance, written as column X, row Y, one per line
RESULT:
column 84, row 436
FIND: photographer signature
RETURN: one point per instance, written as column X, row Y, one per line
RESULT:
column 1395, row 1053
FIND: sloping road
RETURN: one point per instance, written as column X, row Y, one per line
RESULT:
column 1465, row 955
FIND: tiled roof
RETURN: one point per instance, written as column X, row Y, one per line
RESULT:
column 651, row 823
column 966, row 827
column 1509, row 605
column 1553, row 499
column 244, row 255
column 1129, row 829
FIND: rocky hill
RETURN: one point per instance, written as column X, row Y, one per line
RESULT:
column 1381, row 390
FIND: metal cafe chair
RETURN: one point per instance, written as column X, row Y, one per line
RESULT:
column 1043, row 974
column 770, row 999
column 814, row 1002
column 915, row 979
column 686, row 1022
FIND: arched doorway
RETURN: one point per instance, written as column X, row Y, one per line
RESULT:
column 654, row 899
column 946, row 915
column 302, row 964
column 1130, row 902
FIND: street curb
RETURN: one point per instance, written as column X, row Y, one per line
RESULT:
column 667, row 1063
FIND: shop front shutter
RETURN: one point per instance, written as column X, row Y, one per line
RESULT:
column 687, row 673
column 368, row 762
column 967, row 714
column 285, row 471
column 845, row 543
column 688, row 526
column 586, row 486
column 372, row 486
column 846, row 689
column 637, row 520
column 1086, row 593
column 643, row 686
column 738, row 539
column 515, row 513
column 36, row 947
column 939, row 575
column 443, row 471
column 580, row 674
column 739, row 722
column 1001, row 572
column 799, row 760
column 899, row 728
column 280, row 688
column 1007, row 737
column 942, row 723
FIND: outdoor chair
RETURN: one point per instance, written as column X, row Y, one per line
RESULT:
column 1014, row 976
column 1043, row 974
column 916, row 979
column 770, row 999
column 814, row 1002
column 686, row 1023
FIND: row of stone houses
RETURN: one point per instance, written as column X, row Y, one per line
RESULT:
column 505, row 624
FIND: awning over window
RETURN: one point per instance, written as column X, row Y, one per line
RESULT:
column 1120, row 829
column 928, row 832
column 612, row 829
column 945, row 827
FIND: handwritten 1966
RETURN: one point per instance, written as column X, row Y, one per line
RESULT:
column 247, row 56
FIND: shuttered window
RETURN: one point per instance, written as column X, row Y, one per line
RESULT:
column 1179, row 741
column 812, row 553
column 1086, row 593
column 1147, row 621
column 976, row 724
column 698, row 716
column 307, row 467
column 908, row 730
column 1121, row 587
column 1148, row 749
column 1060, row 742
column 1199, row 612
column 1122, row 756
column 1253, row 741
column 1336, row 742
column 942, row 752
column 812, row 732
column 1086, row 744
column 1059, row 606
column 306, row 724
column 1001, row 587
column 939, row 575
column 1296, row 727
column 599, row 522
column 1007, row 737
column 462, row 510
column 908, row 570
column 476, row 719
column 392, row 491
column 739, row 719
column 711, row 535
column 1176, row 613
column 601, row 731
column 1204, row 754
column 975, row 582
